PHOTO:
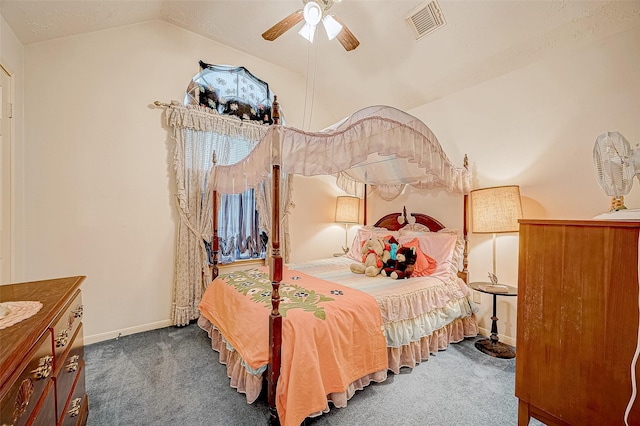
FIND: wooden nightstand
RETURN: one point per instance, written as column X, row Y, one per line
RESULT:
column 491, row 345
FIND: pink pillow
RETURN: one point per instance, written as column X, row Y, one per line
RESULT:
column 425, row 265
column 440, row 246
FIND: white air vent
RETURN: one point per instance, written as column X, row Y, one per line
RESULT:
column 425, row 18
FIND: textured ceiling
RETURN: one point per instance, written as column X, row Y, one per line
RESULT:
column 481, row 40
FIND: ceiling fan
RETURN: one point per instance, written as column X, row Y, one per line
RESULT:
column 312, row 13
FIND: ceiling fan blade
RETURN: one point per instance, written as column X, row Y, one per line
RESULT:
column 346, row 37
column 281, row 27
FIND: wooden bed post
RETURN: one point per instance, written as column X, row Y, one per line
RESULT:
column 465, row 231
column 275, row 110
column 215, row 242
column 365, row 205
column 275, row 319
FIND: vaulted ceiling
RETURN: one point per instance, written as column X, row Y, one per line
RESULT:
column 481, row 39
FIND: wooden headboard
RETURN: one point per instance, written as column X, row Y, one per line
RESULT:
column 396, row 221
column 392, row 223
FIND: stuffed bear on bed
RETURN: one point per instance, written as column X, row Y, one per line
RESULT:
column 403, row 265
column 374, row 256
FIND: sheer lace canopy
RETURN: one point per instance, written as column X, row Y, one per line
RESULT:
column 380, row 146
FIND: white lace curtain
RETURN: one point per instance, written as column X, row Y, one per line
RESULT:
column 238, row 227
column 198, row 133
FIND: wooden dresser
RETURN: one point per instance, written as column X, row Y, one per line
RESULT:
column 577, row 322
column 42, row 357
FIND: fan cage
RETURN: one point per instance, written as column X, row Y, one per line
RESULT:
column 614, row 167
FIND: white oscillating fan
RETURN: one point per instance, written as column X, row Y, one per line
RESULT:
column 616, row 164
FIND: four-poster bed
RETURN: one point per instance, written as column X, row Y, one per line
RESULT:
column 345, row 330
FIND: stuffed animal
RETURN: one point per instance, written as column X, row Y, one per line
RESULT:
column 373, row 258
column 391, row 245
column 404, row 264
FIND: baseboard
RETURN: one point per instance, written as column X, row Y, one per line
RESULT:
column 125, row 332
column 504, row 339
column 167, row 323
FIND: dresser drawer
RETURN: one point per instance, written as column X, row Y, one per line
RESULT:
column 69, row 369
column 21, row 399
column 65, row 326
column 77, row 409
column 45, row 413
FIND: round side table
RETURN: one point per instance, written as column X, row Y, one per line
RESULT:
column 491, row 345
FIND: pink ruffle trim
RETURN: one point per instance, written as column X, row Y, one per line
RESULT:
column 415, row 352
column 419, row 302
column 405, row 356
column 241, row 379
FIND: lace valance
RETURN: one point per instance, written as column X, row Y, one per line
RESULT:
column 207, row 120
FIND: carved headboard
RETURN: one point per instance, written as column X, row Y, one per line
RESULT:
column 395, row 221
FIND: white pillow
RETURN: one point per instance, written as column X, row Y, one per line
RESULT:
column 414, row 229
column 458, row 254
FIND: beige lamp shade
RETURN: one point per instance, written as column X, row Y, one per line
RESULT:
column 348, row 209
column 495, row 210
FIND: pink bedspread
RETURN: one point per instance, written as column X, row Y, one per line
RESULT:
column 334, row 331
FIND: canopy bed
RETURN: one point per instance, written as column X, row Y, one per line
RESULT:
column 330, row 331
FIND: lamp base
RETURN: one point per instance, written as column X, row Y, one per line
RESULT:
column 495, row 349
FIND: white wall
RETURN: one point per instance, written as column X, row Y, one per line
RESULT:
column 536, row 127
column 98, row 178
column 98, row 173
column 12, row 59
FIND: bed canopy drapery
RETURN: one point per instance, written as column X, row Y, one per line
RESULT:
column 379, row 146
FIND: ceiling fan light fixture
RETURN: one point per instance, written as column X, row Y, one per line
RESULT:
column 331, row 26
column 308, row 31
column 312, row 13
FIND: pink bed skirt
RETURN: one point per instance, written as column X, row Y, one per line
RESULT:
column 405, row 356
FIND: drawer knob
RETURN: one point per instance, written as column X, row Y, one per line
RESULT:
column 75, row 407
column 62, row 339
column 44, row 368
column 72, row 365
column 77, row 313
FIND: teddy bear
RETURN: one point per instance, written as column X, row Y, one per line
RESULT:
column 373, row 257
column 403, row 266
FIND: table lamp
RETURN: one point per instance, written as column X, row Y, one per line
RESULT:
column 495, row 210
column 347, row 211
